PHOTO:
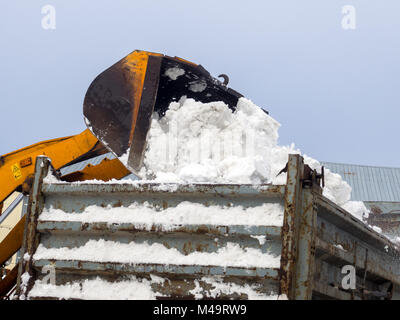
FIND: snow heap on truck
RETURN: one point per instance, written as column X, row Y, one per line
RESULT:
column 194, row 143
column 208, row 143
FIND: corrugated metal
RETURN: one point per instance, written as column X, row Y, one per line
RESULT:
column 382, row 207
column 369, row 183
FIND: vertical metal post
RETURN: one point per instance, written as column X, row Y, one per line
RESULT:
column 23, row 213
column 290, row 229
column 306, row 248
column 298, row 233
column 31, row 238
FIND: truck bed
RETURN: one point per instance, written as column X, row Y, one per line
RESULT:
column 199, row 241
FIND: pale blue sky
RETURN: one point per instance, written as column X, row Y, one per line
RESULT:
column 336, row 92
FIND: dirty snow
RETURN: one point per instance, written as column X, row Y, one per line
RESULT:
column 174, row 73
column 145, row 215
column 110, row 251
column 208, row 143
column 141, row 289
column 197, row 86
column 97, row 289
column 220, row 287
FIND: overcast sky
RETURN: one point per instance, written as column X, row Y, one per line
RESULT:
column 335, row 91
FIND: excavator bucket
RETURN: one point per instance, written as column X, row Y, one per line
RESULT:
column 119, row 103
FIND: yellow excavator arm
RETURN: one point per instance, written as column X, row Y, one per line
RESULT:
column 16, row 166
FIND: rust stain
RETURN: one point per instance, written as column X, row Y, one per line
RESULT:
column 117, row 204
column 187, row 248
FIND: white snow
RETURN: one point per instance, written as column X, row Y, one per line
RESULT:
column 339, row 246
column 50, row 178
column 261, row 239
column 110, row 251
column 124, row 158
column 196, row 142
column 376, row 228
column 174, row 73
column 206, row 142
column 88, row 124
column 97, row 289
column 25, row 278
column 141, row 289
column 24, row 283
column 145, row 215
column 220, row 287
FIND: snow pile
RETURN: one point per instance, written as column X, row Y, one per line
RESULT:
column 196, row 142
column 208, row 143
column 230, row 255
column 146, row 216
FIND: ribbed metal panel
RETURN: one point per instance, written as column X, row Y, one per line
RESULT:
column 179, row 279
column 369, row 183
column 94, row 162
column 325, row 243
